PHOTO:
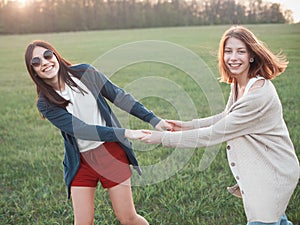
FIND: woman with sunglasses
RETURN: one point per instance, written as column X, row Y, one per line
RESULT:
column 73, row 98
column 259, row 150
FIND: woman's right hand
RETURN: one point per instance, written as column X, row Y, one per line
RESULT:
column 135, row 134
column 178, row 125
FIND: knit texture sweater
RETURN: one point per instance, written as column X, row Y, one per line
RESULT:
column 260, row 153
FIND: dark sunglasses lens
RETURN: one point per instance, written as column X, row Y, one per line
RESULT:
column 36, row 62
column 48, row 54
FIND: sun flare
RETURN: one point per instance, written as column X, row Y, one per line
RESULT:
column 22, row 1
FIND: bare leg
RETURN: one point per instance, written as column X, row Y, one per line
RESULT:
column 122, row 203
column 83, row 205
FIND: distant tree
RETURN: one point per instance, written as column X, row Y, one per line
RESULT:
column 275, row 13
column 288, row 15
column 76, row 15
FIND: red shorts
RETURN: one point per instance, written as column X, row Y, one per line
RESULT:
column 108, row 164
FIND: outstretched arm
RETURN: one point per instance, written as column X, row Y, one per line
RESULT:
column 245, row 117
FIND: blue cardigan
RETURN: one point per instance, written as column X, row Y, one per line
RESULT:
column 72, row 127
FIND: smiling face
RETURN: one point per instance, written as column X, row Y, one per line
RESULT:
column 48, row 68
column 236, row 57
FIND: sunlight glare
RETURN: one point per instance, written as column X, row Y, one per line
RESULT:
column 22, row 2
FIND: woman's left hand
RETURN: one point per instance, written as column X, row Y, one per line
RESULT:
column 152, row 137
column 163, row 125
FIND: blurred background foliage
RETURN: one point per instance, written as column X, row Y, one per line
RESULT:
column 44, row 16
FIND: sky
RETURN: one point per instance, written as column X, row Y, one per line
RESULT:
column 293, row 5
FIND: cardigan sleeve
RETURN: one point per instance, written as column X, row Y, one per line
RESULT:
column 73, row 126
column 208, row 121
column 256, row 112
column 120, row 98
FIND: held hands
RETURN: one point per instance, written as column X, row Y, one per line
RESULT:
column 174, row 125
column 138, row 134
column 152, row 137
column 163, row 125
column 178, row 125
column 147, row 136
column 155, row 137
column 135, row 134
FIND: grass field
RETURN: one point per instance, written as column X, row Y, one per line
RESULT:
column 32, row 189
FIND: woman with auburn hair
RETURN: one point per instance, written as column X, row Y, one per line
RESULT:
column 259, row 150
column 73, row 99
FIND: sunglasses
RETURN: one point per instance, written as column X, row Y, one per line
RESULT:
column 36, row 61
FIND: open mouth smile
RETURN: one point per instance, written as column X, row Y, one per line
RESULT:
column 234, row 65
column 48, row 68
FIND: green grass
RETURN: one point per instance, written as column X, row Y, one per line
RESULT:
column 32, row 189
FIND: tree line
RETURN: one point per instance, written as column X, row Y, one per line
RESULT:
column 40, row 16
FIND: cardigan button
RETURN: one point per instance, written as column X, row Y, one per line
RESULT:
column 232, row 164
column 228, row 147
column 237, row 177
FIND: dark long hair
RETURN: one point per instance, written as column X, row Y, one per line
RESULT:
column 265, row 63
column 63, row 74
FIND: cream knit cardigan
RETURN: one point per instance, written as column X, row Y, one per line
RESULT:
column 260, row 153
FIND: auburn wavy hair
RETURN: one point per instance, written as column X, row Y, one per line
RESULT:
column 266, row 64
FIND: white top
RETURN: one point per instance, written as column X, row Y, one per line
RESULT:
column 84, row 106
column 251, row 82
column 249, row 85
